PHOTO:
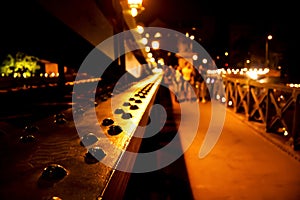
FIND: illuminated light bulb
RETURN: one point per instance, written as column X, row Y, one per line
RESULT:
column 140, row 29
column 223, row 100
column 155, row 44
column 144, row 41
column 134, row 12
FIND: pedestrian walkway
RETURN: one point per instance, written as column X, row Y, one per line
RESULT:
column 244, row 164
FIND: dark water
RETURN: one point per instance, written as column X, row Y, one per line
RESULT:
column 25, row 106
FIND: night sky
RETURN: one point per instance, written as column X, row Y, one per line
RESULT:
column 220, row 20
column 21, row 25
column 27, row 27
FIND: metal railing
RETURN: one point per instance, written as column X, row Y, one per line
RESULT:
column 276, row 105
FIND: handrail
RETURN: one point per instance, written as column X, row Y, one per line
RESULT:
column 276, row 105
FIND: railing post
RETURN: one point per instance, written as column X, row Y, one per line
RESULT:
column 269, row 111
column 296, row 125
column 236, row 97
column 250, row 102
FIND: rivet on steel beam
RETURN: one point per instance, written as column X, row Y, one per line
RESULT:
column 114, row 130
column 126, row 116
column 119, row 111
column 126, row 104
column 138, row 101
column 107, row 122
column 134, row 107
column 94, row 155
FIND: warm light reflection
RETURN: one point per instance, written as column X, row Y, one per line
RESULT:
column 90, row 80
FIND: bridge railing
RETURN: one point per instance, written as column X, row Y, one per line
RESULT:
column 276, row 105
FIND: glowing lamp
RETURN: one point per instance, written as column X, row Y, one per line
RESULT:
column 135, row 3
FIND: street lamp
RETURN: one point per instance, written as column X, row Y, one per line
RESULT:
column 267, row 50
column 135, row 3
column 135, row 6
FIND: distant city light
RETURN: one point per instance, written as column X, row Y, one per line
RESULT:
column 195, row 57
column 223, row 100
column 144, row 41
column 161, row 61
column 270, row 37
column 155, row 44
column 140, row 29
column 157, row 35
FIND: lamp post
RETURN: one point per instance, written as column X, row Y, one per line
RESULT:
column 269, row 37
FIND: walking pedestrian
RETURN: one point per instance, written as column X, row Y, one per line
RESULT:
column 188, row 75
